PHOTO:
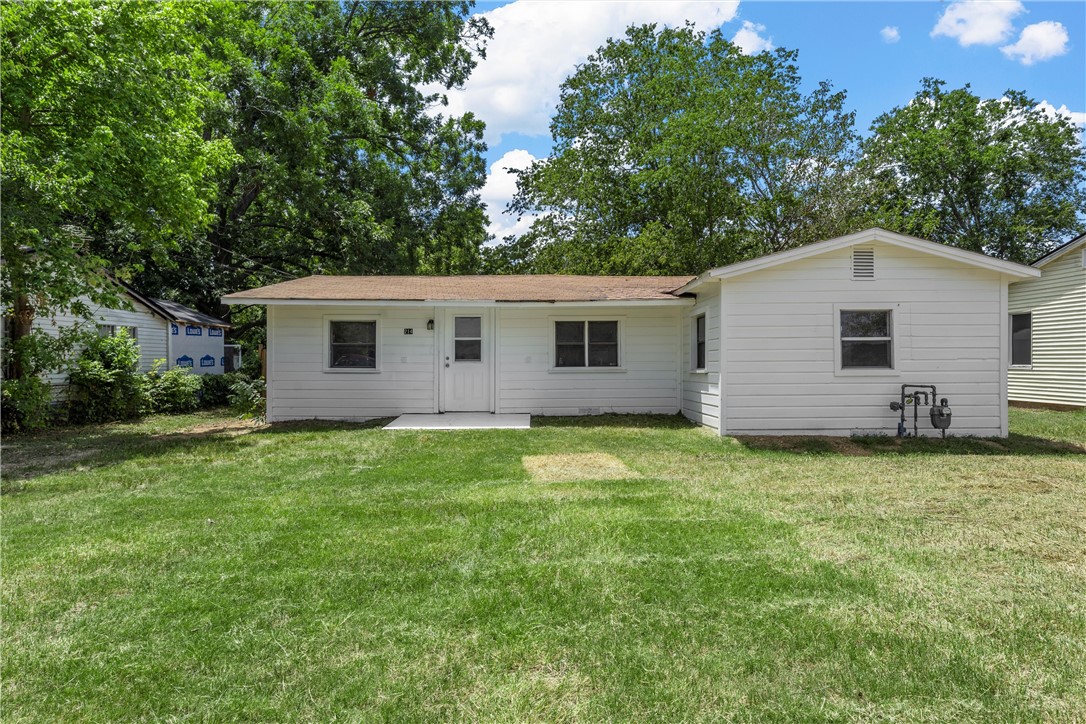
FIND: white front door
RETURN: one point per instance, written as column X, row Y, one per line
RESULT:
column 467, row 363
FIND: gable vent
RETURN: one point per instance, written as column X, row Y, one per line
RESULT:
column 863, row 263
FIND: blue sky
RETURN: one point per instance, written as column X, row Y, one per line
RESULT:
column 877, row 51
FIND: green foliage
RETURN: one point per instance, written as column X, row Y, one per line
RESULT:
column 343, row 167
column 248, row 398
column 674, row 152
column 105, row 383
column 215, row 390
column 25, row 404
column 339, row 572
column 1001, row 177
column 102, row 132
column 174, row 391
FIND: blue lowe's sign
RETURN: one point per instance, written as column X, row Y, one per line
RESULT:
column 184, row 361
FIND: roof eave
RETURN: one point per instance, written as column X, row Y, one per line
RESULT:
column 877, row 235
column 1060, row 251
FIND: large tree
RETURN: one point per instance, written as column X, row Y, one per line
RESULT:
column 674, row 152
column 101, row 123
column 998, row 176
column 343, row 165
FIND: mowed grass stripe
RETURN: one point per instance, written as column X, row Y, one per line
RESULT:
column 332, row 571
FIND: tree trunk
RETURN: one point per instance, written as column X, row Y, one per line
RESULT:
column 19, row 326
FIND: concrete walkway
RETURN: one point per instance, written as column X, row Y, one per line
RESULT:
column 461, row 421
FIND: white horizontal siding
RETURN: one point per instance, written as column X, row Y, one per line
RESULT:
column 649, row 360
column 151, row 333
column 1057, row 301
column 701, row 390
column 779, row 367
column 299, row 388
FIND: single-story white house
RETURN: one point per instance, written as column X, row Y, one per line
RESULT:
column 817, row 340
column 157, row 325
column 1048, row 330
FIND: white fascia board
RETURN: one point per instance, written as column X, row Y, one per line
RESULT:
column 695, row 283
column 877, row 235
column 682, row 302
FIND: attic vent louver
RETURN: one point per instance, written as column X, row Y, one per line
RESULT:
column 863, row 263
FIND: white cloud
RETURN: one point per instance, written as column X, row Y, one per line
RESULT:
column 749, row 39
column 537, row 44
column 498, row 191
column 978, row 22
column 890, row 34
column 1039, row 41
column 1078, row 118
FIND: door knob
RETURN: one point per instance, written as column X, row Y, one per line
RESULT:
column 446, row 364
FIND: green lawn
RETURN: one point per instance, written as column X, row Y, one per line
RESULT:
column 171, row 569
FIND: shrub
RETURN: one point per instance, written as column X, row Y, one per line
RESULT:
column 25, row 404
column 105, row 384
column 216, row 388
column 247, row 398
column 174, row 391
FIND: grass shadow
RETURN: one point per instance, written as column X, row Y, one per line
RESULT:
column 1015, row 444
column 660, row 422
column 295, row 426
column 33, row 455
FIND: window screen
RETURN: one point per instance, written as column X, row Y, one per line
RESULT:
column 1022, row 339
column 586, row 344
column 699, row 343
column 468, row 339
column 866, row 339
column 353, row 345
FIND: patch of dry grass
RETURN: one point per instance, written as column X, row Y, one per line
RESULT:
column 562, row 468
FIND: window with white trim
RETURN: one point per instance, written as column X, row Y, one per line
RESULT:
column 468, row 339
column 586, row 344
column 866, row 339
column 699, row 342
column 1022, row 339
column 352, row 344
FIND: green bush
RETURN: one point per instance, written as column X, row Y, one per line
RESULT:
column 174, row 391
column 25, row 404
column 216, row 388
column 247, row 398
column 105, row 384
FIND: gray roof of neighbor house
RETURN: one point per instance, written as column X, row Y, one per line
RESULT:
column 479, row 288
column 181, row 313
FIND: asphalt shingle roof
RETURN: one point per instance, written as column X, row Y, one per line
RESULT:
column 498, row 288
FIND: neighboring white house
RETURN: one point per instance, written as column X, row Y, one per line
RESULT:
column 149, row 322
column 1048, row 330
column 196, row 339
column 817, row 340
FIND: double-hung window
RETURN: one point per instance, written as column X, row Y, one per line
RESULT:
column 352, row 344
column 699, row 342
column 867, row 339
column 1022, row 339
column 586, row 344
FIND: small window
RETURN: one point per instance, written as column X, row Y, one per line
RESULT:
column 699, row 342
column 866, row 339
column 133, row 332
column 106, row 330
column 353, row 345
column 586, row 344
column 468, row 339
column 1022, row 339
